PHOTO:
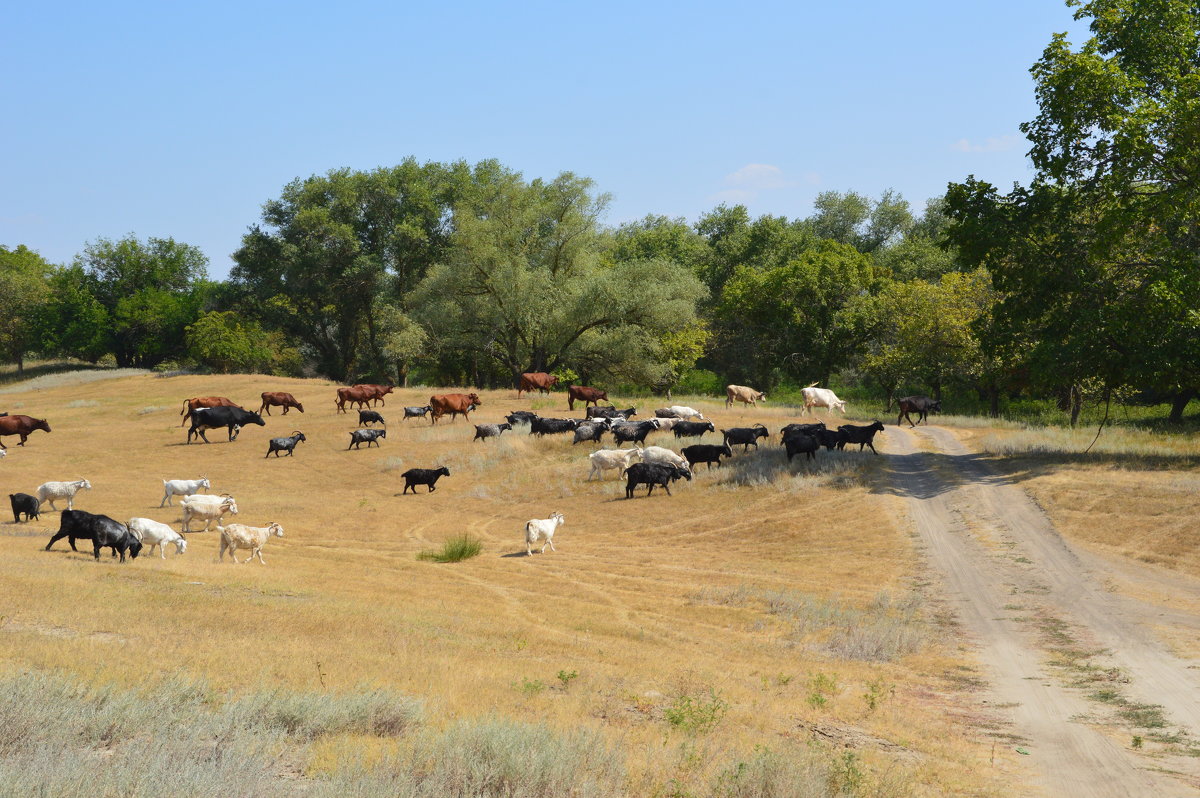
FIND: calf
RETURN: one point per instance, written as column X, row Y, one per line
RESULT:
column 423, row 476
column 367, row 436
column 279, row 399
column 801, row 443
column 485, row 431
column 288, row 444
column 370, row 417
column 24, row 503
column 692, row 429
column 650, row 475
column 539, row 529
column 746, row 436
column 706, row 453
column 416, row 412
column 921, row 405
column 861, row 435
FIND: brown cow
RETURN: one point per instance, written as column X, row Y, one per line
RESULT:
column 582, row 393
column 204, row 401
column 279, row 399
column 360, row 395
column 536, row 381
column 20, row 425
column 453, row 403
column 378, row 391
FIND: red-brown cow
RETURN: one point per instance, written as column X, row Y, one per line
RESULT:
column 204, row 401
column 536, row 381
column 377, row 392
column 582, row 393
column 20, row 425
column 360, row 395
column 279, row 399
column 453, row 403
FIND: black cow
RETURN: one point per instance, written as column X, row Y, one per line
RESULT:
column 746, row 436
column 860, row 435
column 801, row 443
column 24, row 503
column 635, row 431
column 232, row 418
column 423, row 476
column 692, row 429
column 369, row 417
column 651, row 474
column 922, row 405
column 552, row 426
column 706, row 453
column 367, row 436
column 100, row 529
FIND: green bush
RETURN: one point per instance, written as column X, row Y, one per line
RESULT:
column 456, row 549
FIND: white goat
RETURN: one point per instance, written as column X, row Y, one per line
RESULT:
column 237, row 536
column 683, row 411
column 182, row 487
column 539, row 529
column 663, row 456
column 154, row 533
column 57, row 491
column 667, row 424
column 618, row 459
column 206, row 508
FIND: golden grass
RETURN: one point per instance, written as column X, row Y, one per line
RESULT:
column 343, row 602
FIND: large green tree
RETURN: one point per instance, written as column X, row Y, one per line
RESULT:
column 24, row 292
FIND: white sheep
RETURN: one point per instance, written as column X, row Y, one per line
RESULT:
column 662, row 456
column 683, row 411
column 618, row 459
column 57, row 491
column 206, row 508
column 237, row 536
column 182, row 487
column 539, row 529
column 154, row 533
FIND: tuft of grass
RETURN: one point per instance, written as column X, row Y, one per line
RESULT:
column 456, row 549
column 696, row 714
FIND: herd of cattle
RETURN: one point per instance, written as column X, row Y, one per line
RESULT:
column 652, row 466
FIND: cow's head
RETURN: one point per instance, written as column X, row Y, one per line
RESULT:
column 40, row 423
column 474, row 399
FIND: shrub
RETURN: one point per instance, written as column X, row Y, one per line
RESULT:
column 458, row 548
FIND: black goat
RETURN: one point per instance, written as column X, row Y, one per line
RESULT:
column 635, row 431
column 589, row 431
column 521, row 417
column 423, row 476
column 801, row 443
column 692, row 429
column 367, row 436
column 860, row 435
column 552, row 426
column 610, row 412
column 706, row 453
column 288, row 444
column 416, row 412
column 651, row 474
column 831, row 439
column 24, row 503
column 100, row 529
column 485, row 431
column 746, row 436
column 369, row 417
column 792, row 429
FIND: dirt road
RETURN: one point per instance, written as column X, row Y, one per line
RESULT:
column 1010, row 577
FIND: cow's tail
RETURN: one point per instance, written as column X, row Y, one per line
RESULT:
column 185, row 407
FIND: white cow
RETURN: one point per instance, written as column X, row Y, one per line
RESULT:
column 237, row 536
column 539, row 529
column 57, row 491
column 822, row 397
column 154, row 533
column 618, row 459
column 206, row 508
column 182, row 487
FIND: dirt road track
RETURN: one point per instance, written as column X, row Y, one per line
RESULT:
column 995, row 550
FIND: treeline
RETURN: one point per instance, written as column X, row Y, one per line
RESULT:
column 1086, row 283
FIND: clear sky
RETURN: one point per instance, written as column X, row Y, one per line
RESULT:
column 170, row 119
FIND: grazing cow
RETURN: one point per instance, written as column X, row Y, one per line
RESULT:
column 21, row 425
column 287, row 444
column 801, row 443
column 922, row 405
column 232, row 418
column 190, row 406
column 692, row 429
column 485, row 431
column 821, row 397
column 24, row 503
column 552, row 426
column 416, row 412
column 633, row 431
column 650, row 475
column 182, row 487
column 705, row 453
column 536, row 381
column 371, row 417
column 377, row 392
column 454, row 404
column 153, row 533
column 740, row 393
column 423, row 476
column 582, row 393
column 614, row 459
column 100, row 529
column 207, row 509
column 367, row 436
column 237, row 536
column 861, row 435
column 360, row 395
column 279, row 399
column 539, row 529
column 610, row 412
column 746, row 436
column 57, row 491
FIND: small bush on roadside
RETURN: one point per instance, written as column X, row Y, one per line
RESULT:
column 456, row 549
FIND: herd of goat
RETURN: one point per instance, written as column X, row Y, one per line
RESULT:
column 652, row 466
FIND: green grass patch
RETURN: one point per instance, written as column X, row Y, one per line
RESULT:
column 456, row 549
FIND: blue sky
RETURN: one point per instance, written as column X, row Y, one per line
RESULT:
column 181, row 120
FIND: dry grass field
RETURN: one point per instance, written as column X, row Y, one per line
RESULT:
column 762, row 632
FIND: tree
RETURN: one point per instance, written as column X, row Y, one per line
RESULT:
column 73, row 323
column 227, row 343
column 527, row 286
column 853, row 219
column 1099, row 257
column 24, row 292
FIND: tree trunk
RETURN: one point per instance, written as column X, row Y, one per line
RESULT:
column 994, row 400
column 20, row 362
column 1076, row 404
column 1180, row 403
